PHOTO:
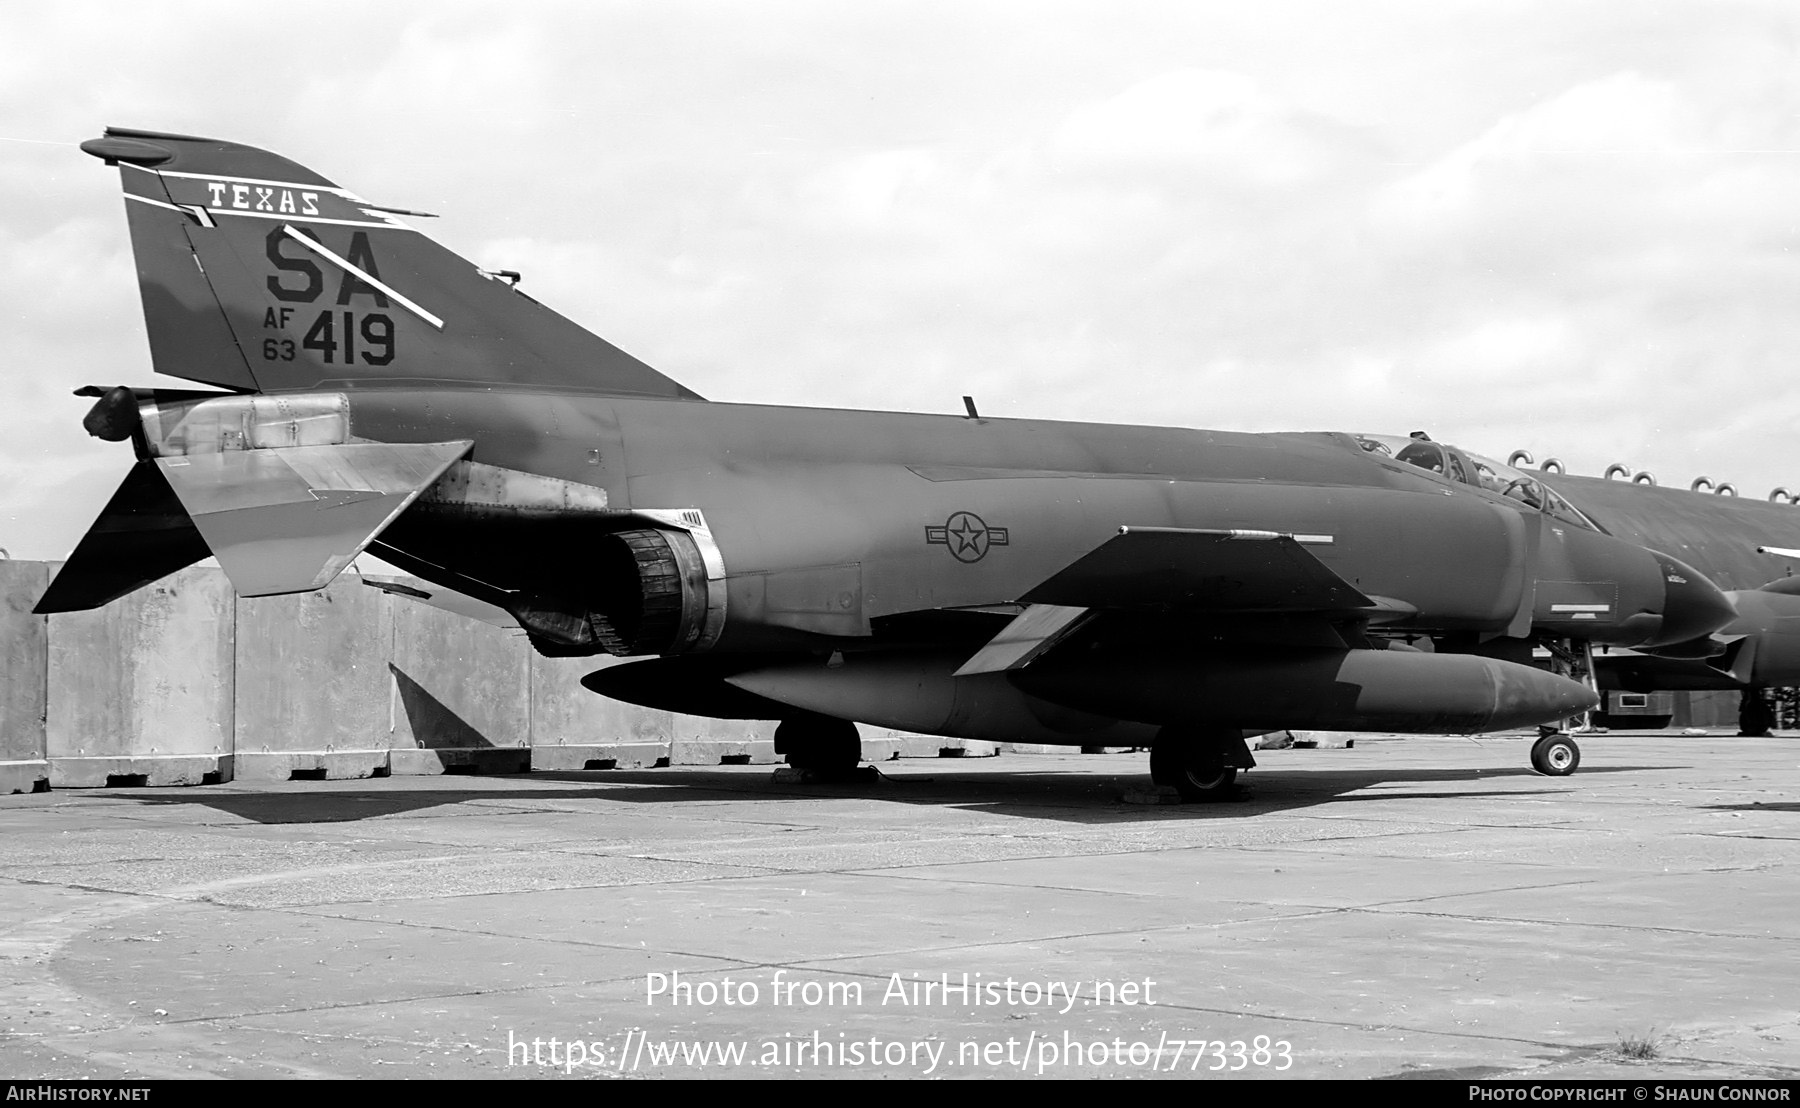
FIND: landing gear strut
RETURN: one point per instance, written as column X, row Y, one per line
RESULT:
column 1200, row 763
column 1555, row 753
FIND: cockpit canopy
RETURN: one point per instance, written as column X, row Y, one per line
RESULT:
column 1483, row 472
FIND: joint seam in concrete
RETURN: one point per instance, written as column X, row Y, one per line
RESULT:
column 1478, row 918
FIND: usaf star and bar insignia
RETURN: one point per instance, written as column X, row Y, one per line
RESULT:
column 967, row 536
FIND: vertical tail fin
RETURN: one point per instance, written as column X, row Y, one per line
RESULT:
column 260, row 275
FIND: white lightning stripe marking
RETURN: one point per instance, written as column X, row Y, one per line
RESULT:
column 1316, row 540
column 204, row 215
column 371, row 280
column 1581, row 607
column 192, row 211
column 291, row 217
column 332, row 189
column 156, row 203
column 1778, row 551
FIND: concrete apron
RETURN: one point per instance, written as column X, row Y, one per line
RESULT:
column 1425, row 907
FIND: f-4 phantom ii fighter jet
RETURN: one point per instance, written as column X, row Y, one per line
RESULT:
column 1001, row 579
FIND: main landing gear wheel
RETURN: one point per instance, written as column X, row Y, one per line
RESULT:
column 819, row 745
column 1555, row 755
column 1756, row 718
column 1195, row 762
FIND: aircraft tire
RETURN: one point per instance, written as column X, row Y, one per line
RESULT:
column 819, row 743
column 1755, row 718
column 1188, row 761
column 1555, row 756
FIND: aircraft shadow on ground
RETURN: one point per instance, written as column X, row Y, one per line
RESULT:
column 1075, row 797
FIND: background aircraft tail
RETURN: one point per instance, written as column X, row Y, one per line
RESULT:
column 259, row 275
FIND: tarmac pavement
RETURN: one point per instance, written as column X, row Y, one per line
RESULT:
column 1423, row 907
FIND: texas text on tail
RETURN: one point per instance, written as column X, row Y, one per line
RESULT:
column 1019, row 580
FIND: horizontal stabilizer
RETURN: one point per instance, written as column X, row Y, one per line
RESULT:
column 1159, row 568
column 142, row 535
column 1032, row 632
column 289, row 519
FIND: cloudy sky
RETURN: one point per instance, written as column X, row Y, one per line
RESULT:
column 1567, row 227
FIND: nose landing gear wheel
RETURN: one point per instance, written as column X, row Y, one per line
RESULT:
column 1555, row 756
column 1193, row 763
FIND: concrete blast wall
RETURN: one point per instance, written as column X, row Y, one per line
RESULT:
column 140, row 691
column 182, row 683
column 462, row 693
column 571, row 728
column 24, row 674
column 313, row 690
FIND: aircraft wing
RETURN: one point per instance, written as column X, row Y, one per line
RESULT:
column 1233, row 574
column 1165, row 568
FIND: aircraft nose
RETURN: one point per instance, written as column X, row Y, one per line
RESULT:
column 1692, row 605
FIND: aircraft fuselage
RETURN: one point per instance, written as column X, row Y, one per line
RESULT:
column 828, row 520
